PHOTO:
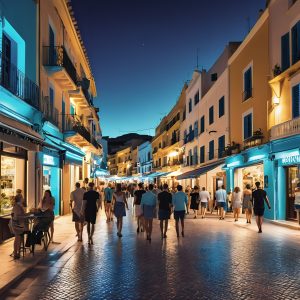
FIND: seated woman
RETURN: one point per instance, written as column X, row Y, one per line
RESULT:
column 19, row 223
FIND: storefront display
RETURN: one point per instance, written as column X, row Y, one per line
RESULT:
column 293, row 183
column 249, row 175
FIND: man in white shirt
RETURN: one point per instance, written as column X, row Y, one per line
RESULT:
column 221, row 197
column 76, row 199
column 204, row 198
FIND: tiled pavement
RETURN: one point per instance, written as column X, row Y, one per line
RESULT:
column 215, row 260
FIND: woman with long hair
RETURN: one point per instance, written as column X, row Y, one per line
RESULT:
column 236, row 202
column 247, row 203
column 119, row 199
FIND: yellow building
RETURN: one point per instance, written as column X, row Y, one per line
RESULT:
column 124, row 162
column 112, row 164
column 167, row 153
column 71, row 123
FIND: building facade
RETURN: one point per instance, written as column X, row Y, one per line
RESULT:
column 144, row 158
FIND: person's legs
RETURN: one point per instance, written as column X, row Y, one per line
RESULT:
column 92, row 233
column 161, row 224
column 258, row 222
column 204, row 211
column 249, row 215
column 237, row 213
column 77, row 229
column 17, row 243
column 88, row 229
column 261, row 218
column 166, row 228
column 51, row 231
column 150, row 228
column 182, row 226
column 80, row 230
column 177, row 226
column 120, row 224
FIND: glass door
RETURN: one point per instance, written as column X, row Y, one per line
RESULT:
column 292, row 182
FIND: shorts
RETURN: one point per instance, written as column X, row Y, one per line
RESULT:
column 163, row 214
column 179, row 214
column 220, row 204
column 138, row 210
column 76, row 218
column 259, row 211
column 204, row 204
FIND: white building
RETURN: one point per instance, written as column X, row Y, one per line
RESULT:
column 144, row 158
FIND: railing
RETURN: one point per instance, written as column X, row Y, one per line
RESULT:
column 247, row 94
column 189, row 137
column 285, row 129
column 50, row 113
column 18, row 84
column 57, row 56
column 254, row 140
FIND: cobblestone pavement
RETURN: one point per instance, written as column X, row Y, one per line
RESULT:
column 215, row 260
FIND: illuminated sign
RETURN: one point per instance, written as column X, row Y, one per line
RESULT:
column 289, row 160
column 48, row 160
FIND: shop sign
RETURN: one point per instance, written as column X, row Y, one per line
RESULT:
column 290, row 160
column 48, row 160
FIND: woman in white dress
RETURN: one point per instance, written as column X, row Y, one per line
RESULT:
column 236, row 203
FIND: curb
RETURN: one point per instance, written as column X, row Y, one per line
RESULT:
column 290, row 226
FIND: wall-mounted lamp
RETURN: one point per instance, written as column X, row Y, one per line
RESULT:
column 276, row 100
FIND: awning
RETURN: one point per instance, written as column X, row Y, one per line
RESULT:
column 171, row 174
column 157, row 174
column 17, row 133
column 200, row 171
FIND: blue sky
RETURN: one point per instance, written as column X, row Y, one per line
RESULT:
column 142, row 52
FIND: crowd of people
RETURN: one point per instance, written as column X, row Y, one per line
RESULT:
column 149, row 202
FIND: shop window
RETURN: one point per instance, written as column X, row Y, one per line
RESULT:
column 202, row 154
column 211, row 115
column 296, row 43
column 221, row 107
column 211, row 153
column 296, row 101
column 202, row 124
column 247, row 84
column 285, row 51
column 247, row 126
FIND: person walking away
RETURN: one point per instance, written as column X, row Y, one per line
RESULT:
column 90, row 206
column 47, row 204
column 204, row 200
column 76, row 199
column 179, row 201
column 236, row 203
column 108, row 194
column 247, row 203
column 19, row 223
column 188, row 194
column 221, row 201
column 195, row 200
column 120, row 201
column 259, row 197
column 137, row 206
column 164, row 212
column 148, row 204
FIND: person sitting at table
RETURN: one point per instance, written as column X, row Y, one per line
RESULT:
column 46, row 206
column 19, row 223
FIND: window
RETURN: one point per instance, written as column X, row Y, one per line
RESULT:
column 190, row 157
column 202, row 124
column 214, row 76
column 196, row 128
column 211, row 115
column 221, row 107
column 202, row 154
column 185, row 136
column 296, row 43
column 195, row 160
column 159, row 162
column 221, row 145
column 296, row 101
column 191, row 133
column 247, row 126
column 247, row 84
column 190, row 105
column 211, row 153
column 159, row 145
column 184, row 115
column 196, row 98
column 285, row 51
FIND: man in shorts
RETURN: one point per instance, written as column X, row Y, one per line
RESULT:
column 76, row 198
column 108, row 193
column 204, row 200
column 221, row 197
column 179, row 201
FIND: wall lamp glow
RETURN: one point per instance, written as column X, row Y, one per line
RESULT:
column 256, row 157
column 276, row 100
column 233, row 164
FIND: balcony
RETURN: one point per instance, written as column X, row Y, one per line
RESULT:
column 255, row 140
column 75, row 132
column 81, row 96
column 189, row 137
column 60, row 67
column 18, row 84
column 50, row 113
column 285, row 129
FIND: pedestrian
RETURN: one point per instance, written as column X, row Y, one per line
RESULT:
column 76, row 201
column 204, row 200
column 247, row 203
column 221, row 201
column 120, row 201
column 86, row 184
column 108, row 194
column 188, row 193
column 195, row 200
column 259, row 197
column 148, row 204
column 165, row 204
column 46, row 205
column 236, row 201
column 180, row 202
column 137, row 206
column 19, row 223
column 91, row 204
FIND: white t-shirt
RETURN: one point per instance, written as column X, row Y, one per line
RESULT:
column 77, row 197
column 204, row 196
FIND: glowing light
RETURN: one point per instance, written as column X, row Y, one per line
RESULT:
column 173, row 154
column 256, row 157
column 48, row 160
column 276, row 100
column 233, row 164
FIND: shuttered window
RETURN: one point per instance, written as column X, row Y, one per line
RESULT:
column 211, row 153
column 247, row 84
column 296, row 101
column 202, row 124
column 285, row 51
column 247, row 126
column 221, row 145
column 296, row 43
column 211, row 115
column 195, row 160
column 202, row 154
column 221, row 107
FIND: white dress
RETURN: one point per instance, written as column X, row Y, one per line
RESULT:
column 236, row 200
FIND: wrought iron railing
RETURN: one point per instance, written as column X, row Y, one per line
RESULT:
column 18, row 84
column 57, row 56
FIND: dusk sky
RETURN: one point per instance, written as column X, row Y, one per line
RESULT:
column 142, row 52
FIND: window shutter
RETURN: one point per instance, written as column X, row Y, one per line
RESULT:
column 202, row 154
column 211, row 150
column 202, row 124
column 285, row 51
column 211, row 115
column 221, row 107
column 296, row 43
column 221, row 145
column 296, row 101
column 246, row 127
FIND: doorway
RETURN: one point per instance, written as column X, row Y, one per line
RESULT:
column 292, row 182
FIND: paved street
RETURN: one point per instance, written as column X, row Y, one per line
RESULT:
column 215, row 260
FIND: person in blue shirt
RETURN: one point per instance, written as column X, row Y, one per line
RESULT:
column 221, row 197
column 148, row 204
column 108, row 194
column 179, row 201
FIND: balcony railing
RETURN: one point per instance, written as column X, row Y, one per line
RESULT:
column 50, row 113
column 57, row 57
column 254, row 140
column 285, row 129
column 18, row 84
